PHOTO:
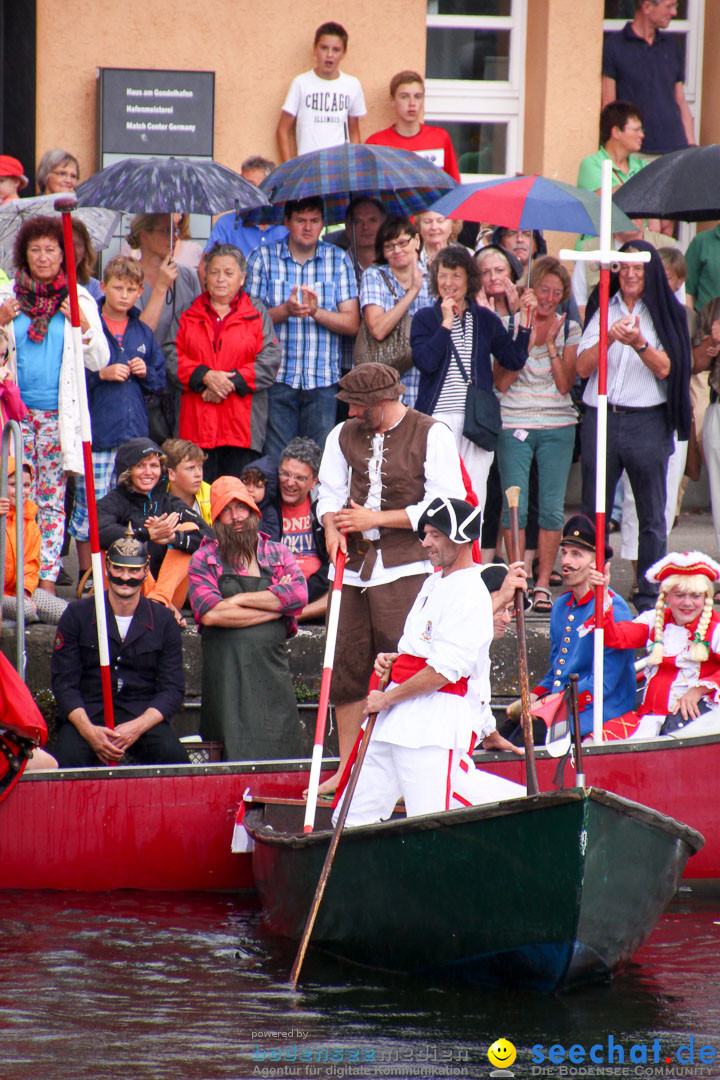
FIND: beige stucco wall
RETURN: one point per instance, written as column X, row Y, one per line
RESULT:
column 562, row 90
column 254, row 46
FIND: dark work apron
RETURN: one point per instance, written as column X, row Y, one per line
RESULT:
column 248, row 698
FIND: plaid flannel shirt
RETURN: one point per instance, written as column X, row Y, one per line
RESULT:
column 206, row 566
column 310, row 352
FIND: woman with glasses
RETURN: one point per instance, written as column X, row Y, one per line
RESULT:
column 168, row 291
column 394, row 287
column 58, row 172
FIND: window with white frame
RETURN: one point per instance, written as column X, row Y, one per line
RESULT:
column 475, row 79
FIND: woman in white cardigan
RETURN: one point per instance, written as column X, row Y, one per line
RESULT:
column 36, row 311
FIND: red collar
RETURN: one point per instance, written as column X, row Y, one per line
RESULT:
column 585, row 599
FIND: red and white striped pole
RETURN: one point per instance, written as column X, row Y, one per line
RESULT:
column 601, row 456
column 606, row 257
column 320, row 723
column 65, row 204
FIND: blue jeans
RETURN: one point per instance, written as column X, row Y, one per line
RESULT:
column 298, row 412
column 640, row 442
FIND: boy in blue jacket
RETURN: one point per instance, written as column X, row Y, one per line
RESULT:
column 117, row 393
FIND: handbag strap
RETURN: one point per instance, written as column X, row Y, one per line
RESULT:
column 456, row 357
column 458, row 361
column 389, row 284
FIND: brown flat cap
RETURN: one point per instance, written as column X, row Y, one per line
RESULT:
column 368, row 384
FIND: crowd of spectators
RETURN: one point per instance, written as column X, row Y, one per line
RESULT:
column 226, row 371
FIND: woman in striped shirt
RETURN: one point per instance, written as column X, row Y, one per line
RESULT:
column 452, row 344
column 539, row 419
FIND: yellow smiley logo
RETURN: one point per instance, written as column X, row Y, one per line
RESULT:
column 502, row 1053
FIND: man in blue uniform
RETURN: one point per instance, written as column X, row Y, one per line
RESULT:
column 571, row 633
column 145, row 665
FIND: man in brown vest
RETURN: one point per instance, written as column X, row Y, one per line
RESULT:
column 379, row 472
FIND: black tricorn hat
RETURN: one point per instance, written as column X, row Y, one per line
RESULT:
column 580, row 531
column 457, row 519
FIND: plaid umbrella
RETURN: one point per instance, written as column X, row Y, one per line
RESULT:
column 530, row 202
column 404, row 182
column 101, row 224
column 168, row 186
column 682, row 186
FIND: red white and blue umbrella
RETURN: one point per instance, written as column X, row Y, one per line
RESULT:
column 404, row 183
column 530, row 202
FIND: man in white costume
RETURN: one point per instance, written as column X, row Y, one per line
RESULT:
column 425, row 723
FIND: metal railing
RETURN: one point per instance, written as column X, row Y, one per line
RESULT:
column 12, row 428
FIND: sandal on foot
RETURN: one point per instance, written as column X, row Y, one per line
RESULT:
column 541, row 600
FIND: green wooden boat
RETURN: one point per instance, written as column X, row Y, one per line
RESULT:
column 543, row 892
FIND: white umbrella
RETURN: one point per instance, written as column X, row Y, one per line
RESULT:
column 101, row 224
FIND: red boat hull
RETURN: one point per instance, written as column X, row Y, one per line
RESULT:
column 170, row 827
column 677, row 778
column 166, row 828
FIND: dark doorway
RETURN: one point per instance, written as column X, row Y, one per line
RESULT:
column 18, row 36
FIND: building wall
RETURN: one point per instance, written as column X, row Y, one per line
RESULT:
column 562, row 90
column 254, row 46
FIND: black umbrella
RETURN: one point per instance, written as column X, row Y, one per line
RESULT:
column 682, row 186
column 169, row 186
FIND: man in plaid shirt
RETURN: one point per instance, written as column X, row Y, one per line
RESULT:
column 311, row 291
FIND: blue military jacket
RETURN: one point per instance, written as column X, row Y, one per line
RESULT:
column 571, row 651
column 146, row 668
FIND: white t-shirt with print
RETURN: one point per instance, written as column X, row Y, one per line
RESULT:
column 322, row 108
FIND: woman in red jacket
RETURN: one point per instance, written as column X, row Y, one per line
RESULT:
column 228, row 356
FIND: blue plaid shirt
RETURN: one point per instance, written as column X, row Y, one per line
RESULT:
column 310, row 353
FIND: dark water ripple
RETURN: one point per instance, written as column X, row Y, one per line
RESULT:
column 161, row 987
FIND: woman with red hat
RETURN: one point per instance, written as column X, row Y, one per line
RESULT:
column 12, row 178
column 682, row 636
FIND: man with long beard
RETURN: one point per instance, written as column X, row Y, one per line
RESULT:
column 245, row 591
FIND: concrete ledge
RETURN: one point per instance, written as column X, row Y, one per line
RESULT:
column 306, row 657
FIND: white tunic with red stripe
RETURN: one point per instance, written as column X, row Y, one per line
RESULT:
column 417, row 745
column 666, row 683
column 451, row 626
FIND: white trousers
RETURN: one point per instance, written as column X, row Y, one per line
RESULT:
column 675, row 472
column 476, row 461
column 429, row 778
column 473, row 786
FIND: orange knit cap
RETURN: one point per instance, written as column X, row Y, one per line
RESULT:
column 11, row 466
column 224, row 490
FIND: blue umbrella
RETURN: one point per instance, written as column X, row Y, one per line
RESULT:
column 404, row 182
column 168, row 186
column 530, row 202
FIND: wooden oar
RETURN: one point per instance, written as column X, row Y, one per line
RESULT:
column 327, row 865
column 575, row 709
column 513, row 495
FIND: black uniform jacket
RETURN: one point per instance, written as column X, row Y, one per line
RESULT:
column 146, row 668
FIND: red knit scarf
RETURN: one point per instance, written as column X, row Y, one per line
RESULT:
column 39, row 301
